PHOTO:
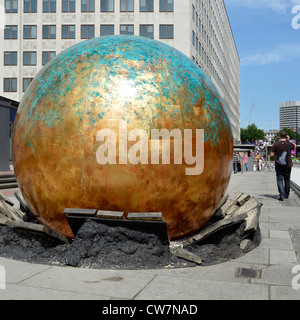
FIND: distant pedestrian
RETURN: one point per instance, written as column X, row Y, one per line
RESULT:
column 255, row 165
column 235, row 162
column 260, row 163
column 283, row 164
column 245, row 162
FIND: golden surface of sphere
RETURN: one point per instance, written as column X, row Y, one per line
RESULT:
column 123, row 123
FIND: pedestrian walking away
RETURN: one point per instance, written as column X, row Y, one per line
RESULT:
column 283, row 164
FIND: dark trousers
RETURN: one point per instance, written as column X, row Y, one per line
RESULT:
column 283, row 175
column 235, row 168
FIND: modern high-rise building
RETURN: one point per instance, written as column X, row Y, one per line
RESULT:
column 290, row 115
column 37, row 30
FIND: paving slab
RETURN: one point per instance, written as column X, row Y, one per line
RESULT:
column 20, row 292
column 201, row 290
column 283, row 257
column 284, row 293
column 108, row 283
column 280, row 234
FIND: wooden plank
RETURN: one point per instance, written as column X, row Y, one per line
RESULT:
column 5, row 198
column 110, row 214
column 80, row 211
column 152, row 216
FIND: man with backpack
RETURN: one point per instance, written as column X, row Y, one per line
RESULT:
column 283, row 164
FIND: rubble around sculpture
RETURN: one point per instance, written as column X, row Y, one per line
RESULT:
column 231, row 232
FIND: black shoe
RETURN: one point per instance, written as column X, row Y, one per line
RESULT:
column 280, row 198
column 286, row 197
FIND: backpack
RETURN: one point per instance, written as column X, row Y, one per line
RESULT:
column 282, row 158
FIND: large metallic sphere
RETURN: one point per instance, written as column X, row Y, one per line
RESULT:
column 74, row 144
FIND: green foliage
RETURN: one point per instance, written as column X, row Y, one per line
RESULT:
column 252, row 132
column 293, row 135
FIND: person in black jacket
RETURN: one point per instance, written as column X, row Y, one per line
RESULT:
column 283, row 171
column 235, row 162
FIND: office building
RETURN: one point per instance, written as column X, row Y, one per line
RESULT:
column 290, row 115
column 37, row 30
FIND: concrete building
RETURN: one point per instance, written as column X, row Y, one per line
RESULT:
column 290, row 115
column 8, row 110
column 35, row 31
column 270, row 136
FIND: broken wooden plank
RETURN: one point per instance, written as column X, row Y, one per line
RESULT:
column 252, row 219
column 23, row 204
column 4, row 220
column 223, row 210
column 39, row 228
column 232, row 210
column 219, row 225
column 243, row 199
column 251, row 204
column 185, row 254
column 5, row 198
column 11, row 212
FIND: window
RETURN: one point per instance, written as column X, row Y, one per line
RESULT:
column 87, row 31
column 29, row 32
column 126, row 29
column 29, row 58
column 68, row 5
column 49, row 5
column 107, row 5
column 11, row 6
column 10, row 84
column 11, row 32
column 87, row 5
column 166, row 31
column 107, row 30
column 126, row 6
column 49, row 32
column 68, row 32
column 26, row 83
column 146, row 5
column 10, row 58
column 146, row 30
column 30, row 6
column 166, row 5
column 47, row 56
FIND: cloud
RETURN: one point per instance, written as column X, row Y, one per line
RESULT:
column 279, row 6
column 281, row 54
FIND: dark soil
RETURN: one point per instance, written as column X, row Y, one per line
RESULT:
column 99, row 246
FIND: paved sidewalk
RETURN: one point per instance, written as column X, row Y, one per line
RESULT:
column 272, row 263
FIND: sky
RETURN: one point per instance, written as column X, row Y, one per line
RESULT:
column 267, row 36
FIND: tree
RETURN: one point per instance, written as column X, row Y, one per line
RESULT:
column 252, row 132
column 290, row 132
